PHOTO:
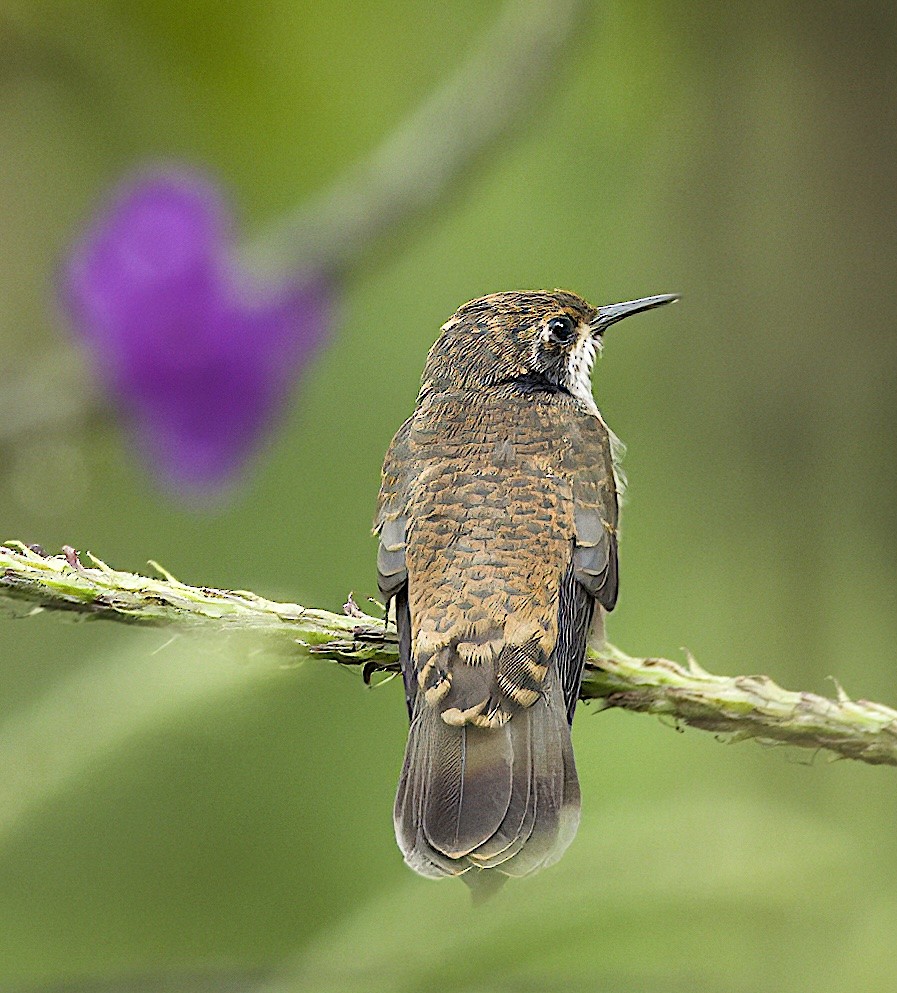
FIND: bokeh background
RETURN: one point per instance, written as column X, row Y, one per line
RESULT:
column 174, row 807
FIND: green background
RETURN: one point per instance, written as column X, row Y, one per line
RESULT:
column 170, row 806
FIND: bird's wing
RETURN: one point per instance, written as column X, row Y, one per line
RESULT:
column 595, row 511
column 575, row 610
column 593, row 576
column 390, row 525
column 392, row 518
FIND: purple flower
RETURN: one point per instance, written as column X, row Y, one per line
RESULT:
column 199, row 355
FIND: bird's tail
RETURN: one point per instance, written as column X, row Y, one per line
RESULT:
column 504, row 799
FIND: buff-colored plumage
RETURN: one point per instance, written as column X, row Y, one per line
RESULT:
column 498, row 521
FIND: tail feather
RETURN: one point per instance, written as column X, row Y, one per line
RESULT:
column 517, row 825
column 501, row 799
column 551, row 801
column 468, row 784
column 408, row 812
column 569, row 822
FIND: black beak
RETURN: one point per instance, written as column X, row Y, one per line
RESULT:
column 617, row 311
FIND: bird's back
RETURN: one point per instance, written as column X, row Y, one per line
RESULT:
column 481, row 483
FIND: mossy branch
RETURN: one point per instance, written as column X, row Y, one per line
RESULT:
column 738, row 707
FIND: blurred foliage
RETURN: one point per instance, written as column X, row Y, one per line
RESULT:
column 171, row 805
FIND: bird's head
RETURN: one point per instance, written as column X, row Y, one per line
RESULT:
column 543, row 338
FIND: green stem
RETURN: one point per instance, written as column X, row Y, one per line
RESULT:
column 738, row 707
column 482, row 101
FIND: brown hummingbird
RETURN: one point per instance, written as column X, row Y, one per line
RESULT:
column 497, row 519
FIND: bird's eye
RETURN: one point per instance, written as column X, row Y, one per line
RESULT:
column 562, row 330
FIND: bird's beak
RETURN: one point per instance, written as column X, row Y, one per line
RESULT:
column 614, row 312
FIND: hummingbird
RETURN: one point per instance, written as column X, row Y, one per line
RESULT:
column 498, row 523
